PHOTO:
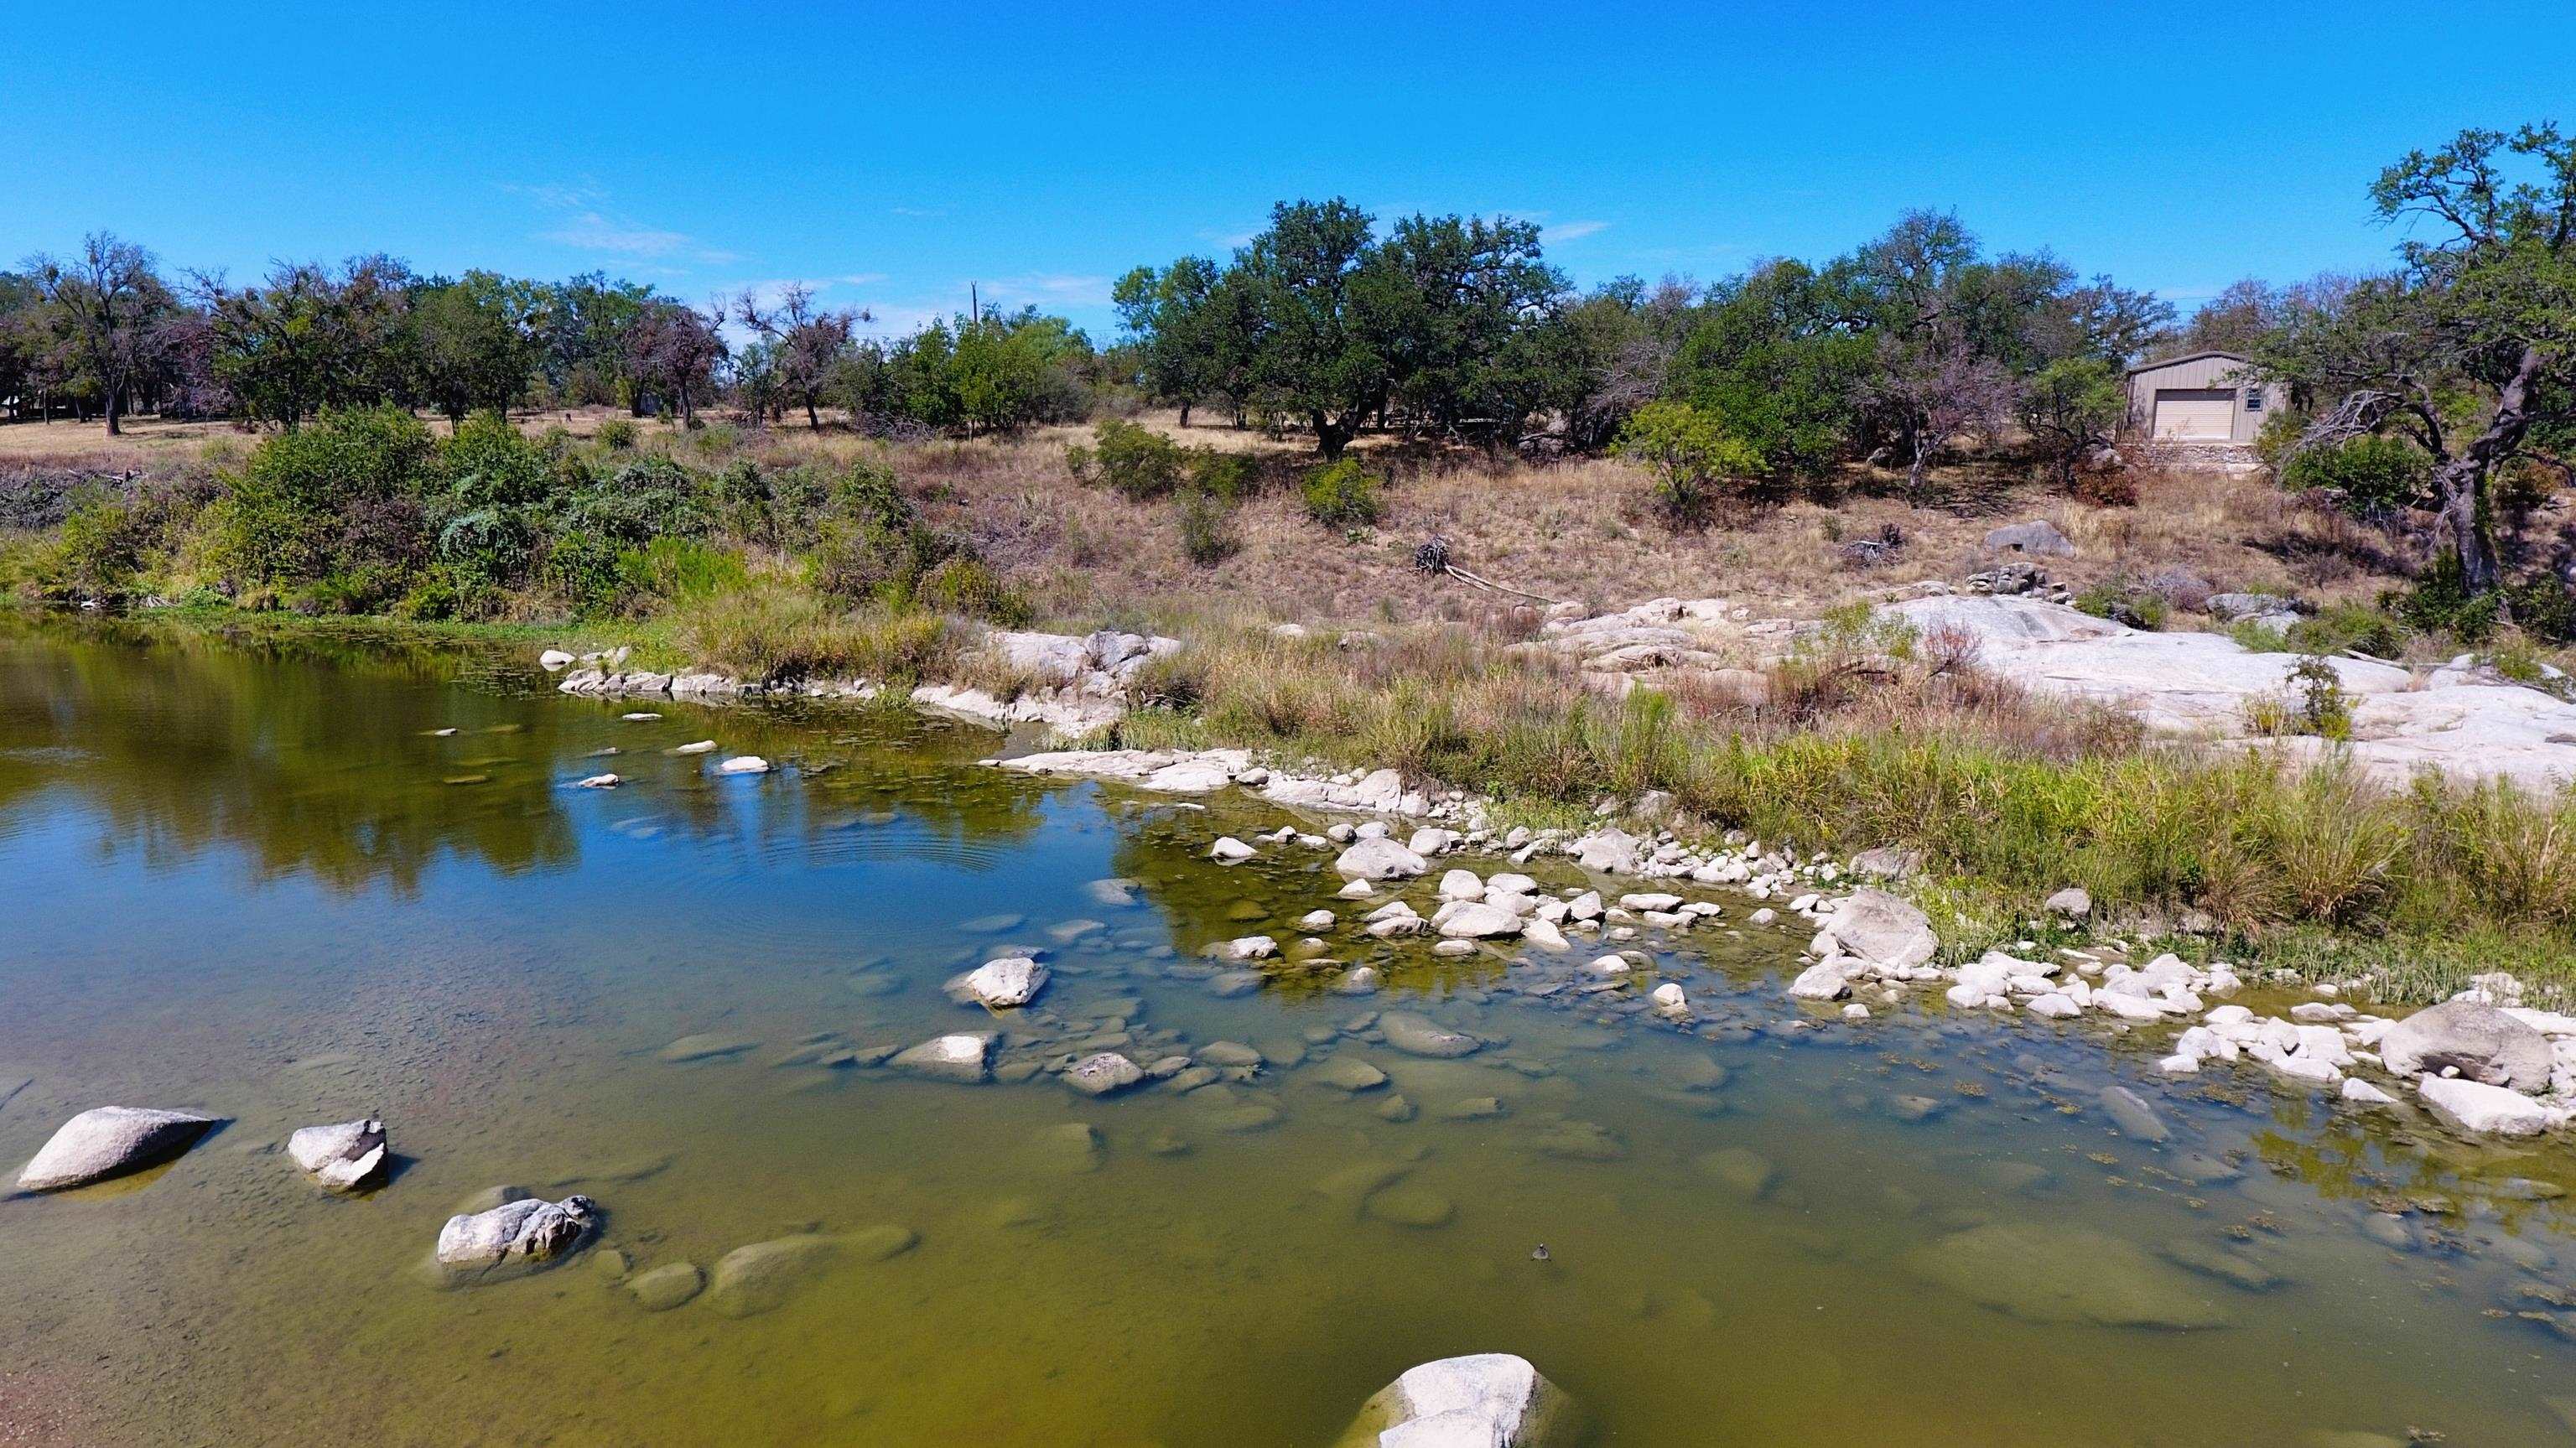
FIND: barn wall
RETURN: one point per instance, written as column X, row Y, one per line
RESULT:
column 2197, row 373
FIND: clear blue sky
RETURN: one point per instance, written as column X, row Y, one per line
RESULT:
column 891, row 154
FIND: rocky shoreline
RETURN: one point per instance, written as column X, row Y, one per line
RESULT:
column 2483, row 1064
column 1073, row 686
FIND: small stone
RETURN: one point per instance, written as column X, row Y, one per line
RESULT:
column 1229, row 850
column 1103, row 1075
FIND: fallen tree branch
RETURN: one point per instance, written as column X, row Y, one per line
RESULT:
column 1433, row 558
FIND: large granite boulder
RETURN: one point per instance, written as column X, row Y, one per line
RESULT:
column 2039, row 538
column 2484, row 1044
column 1487, row 1400
column 515, row 1237
column 344, row 1156
column 1379, row 859
column 1882, row 930
column 108, row 1141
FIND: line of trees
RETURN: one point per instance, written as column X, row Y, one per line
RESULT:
column 1458, row 326
column 104, row 333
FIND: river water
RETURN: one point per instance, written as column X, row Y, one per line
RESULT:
column 255, row 879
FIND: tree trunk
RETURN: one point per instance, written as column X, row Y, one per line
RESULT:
column 114, row 427
column 2461, row 482
column 1185, row 412
column 813, row 419
column 1330, row 437
column 2461, row 485
column 1922, row 459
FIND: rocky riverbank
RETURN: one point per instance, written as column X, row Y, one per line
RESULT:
column 2483, row 1064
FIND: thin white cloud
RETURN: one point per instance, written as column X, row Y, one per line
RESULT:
column 1049, row 290
column 1565, row 231
column 588, row 224
column 918, row 211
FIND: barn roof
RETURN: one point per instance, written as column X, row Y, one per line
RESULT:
column 2164, row 362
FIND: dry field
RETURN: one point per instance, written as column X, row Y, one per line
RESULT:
column 1577, row 530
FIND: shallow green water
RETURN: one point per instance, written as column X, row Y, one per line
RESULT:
column 238, row 880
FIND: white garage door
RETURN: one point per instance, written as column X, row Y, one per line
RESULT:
column 2194, row 414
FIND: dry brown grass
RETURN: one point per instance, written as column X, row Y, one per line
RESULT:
column 1576, row 530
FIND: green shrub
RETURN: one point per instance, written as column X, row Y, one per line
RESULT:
column 587, row 572
column 1343, row 495
column 617, row 434
column 1135, row 462
column 2366, row 476
column 490, row 464
column 2440, row 602
column 1230, row 476
column 2356, row 626
column 771, row 634
column 2544, row 607
column 97, row 551
column 1207, row 529
column 1691, row 457
column 287, row 510
column 966, row 585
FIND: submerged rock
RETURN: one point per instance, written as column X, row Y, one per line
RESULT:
column 961, row 1056
column 521, row 1235
column 1489, row 1400
column 2130, row 1112
column 707, row 1046
column 667, row 1286
column 1411, row 1206
column 1417, row 1035
column 1741, row 1170
column 761, row 1277
column 1347, row 1073
column 108, row 1141
column 1103, row 1075
column 342, row 1157
column 2046, row 1273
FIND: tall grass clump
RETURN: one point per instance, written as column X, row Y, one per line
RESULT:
column 771, row 633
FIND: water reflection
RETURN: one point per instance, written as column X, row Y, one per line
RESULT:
column 363, row 760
